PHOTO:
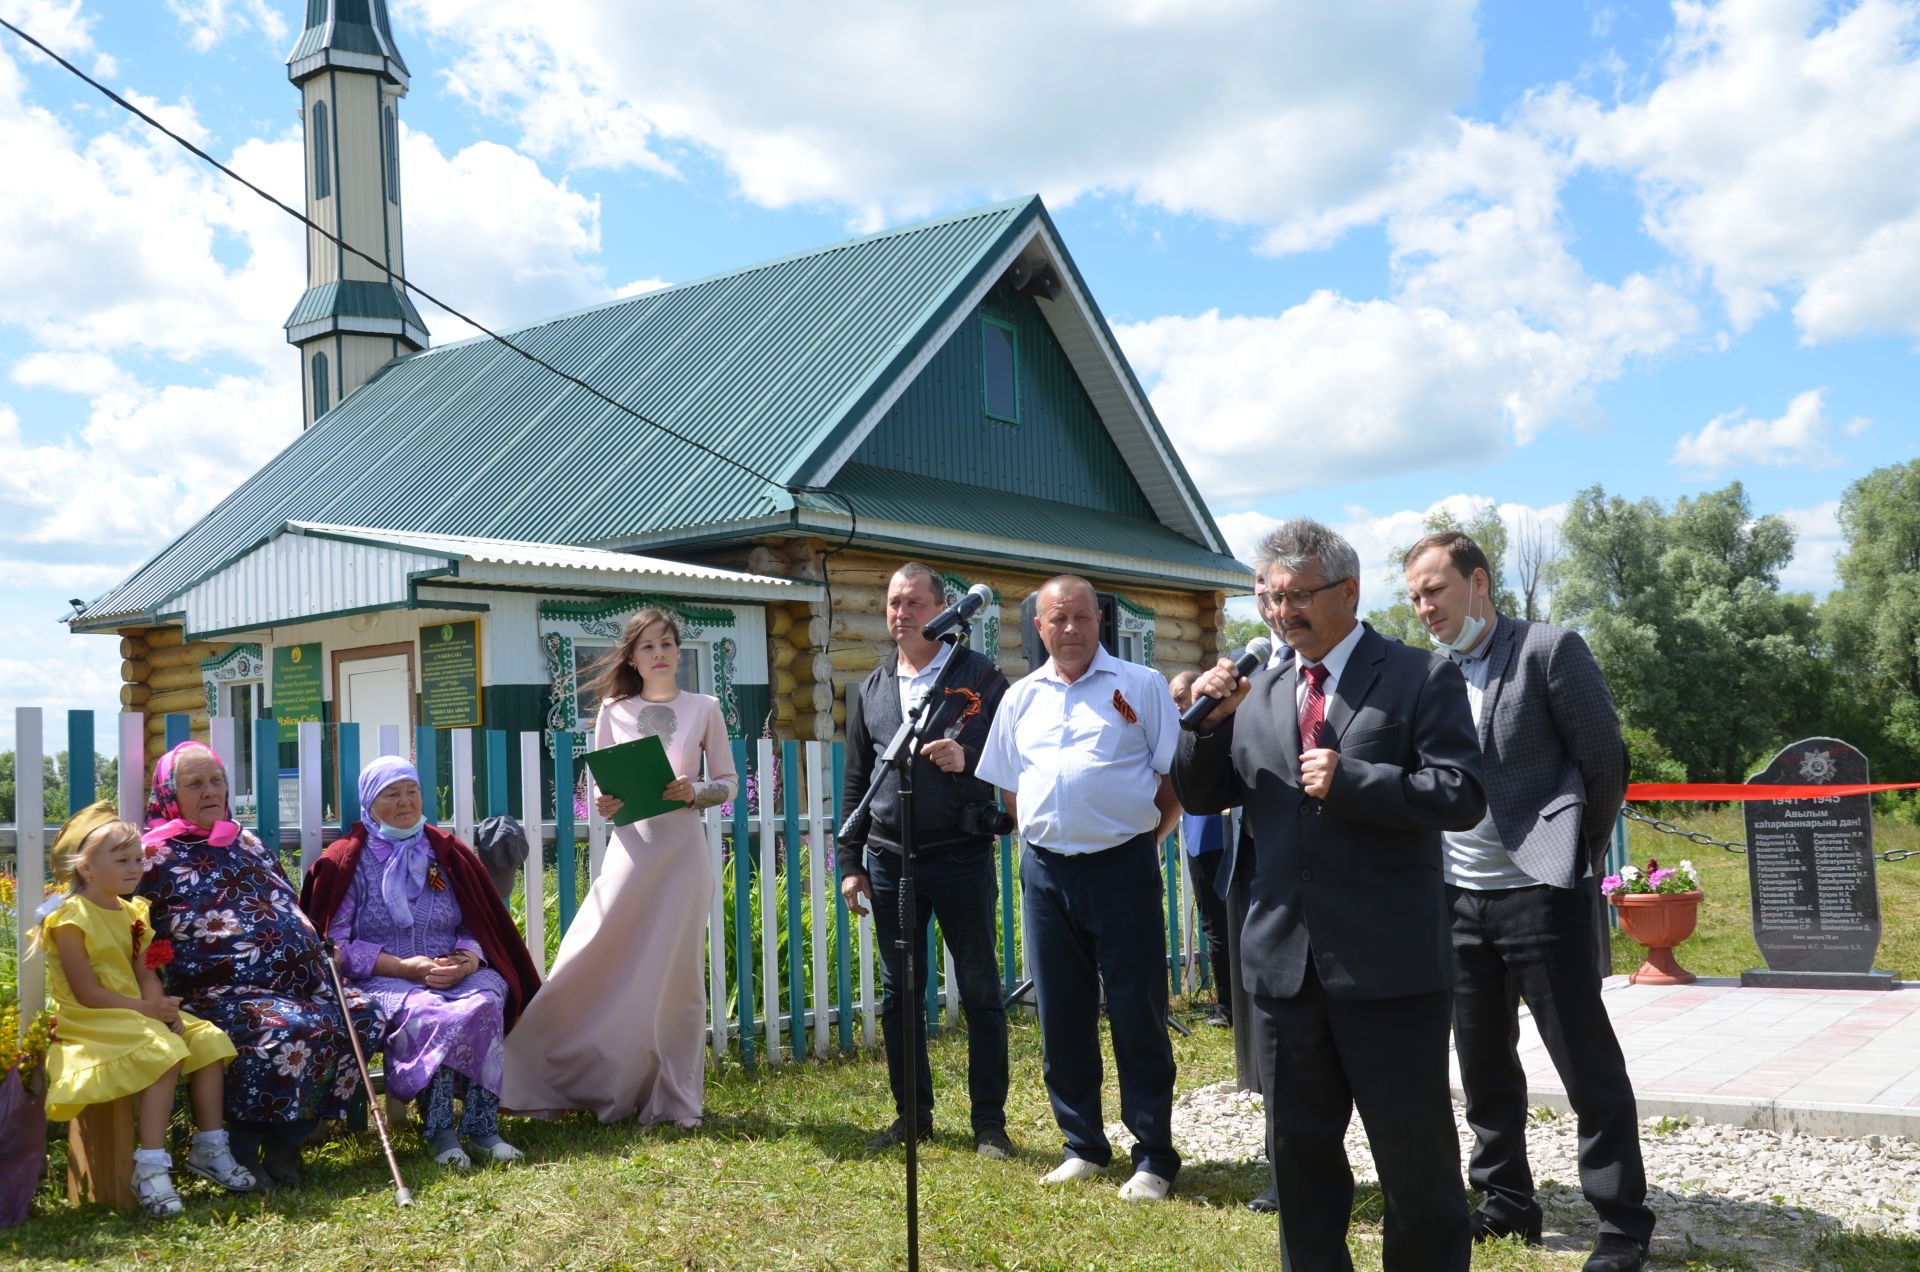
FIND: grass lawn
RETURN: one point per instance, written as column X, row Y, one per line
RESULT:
column 1723, row 945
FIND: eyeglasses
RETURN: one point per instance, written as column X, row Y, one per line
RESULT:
column 1301, row 597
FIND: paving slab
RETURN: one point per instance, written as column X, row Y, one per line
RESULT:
column 1815, row 1061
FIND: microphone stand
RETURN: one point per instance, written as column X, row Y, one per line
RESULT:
column 898, row 757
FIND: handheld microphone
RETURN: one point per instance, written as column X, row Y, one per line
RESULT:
column 958, row 612
column 1258, row 650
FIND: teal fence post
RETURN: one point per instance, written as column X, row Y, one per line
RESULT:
column 1170, row 853
column 1617, row 858
column 563, row 824
column 349, row 736
column 496, row 772
column 82, row 778
column 842, row 917
column 266, row 784
column 743, row 906
column 932, row 955
column 795, row 860
column 1009, row 942
column 179, row 729
column 426, row 758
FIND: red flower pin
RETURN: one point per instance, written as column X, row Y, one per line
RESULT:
column 1124, row 707
column 159, row 954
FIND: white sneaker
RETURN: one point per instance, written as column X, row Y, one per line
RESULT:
column 1074, row 1168
column 1146, row 1186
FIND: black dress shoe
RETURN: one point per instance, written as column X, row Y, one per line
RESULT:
column 1615, row 1253
column 1487, row 1228
column 1267, row 1203
column 280, row 1164
column 895, row 1136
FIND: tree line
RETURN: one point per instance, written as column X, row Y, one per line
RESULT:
column 1713, row 666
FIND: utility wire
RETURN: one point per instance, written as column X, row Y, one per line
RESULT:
column 852, row 516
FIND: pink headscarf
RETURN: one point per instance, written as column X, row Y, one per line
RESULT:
column 164, row 821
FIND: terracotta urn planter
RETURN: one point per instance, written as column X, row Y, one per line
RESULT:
column 1659, row 921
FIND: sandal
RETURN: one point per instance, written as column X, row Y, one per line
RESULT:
column 219, row 1166
column 154, row 1190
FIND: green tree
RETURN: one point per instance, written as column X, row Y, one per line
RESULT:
column 1872, row 620
column 1684, row 612
column 53, row 778
column 1486, row 529
column 1241, row 630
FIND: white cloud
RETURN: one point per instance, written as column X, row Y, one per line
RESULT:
column 45, row 667
column 1231, row 108
column 1817, row 545
column 210, row 21
column 1798, row 439
column 1780, row 152
column 62, row 25
column 641, row 286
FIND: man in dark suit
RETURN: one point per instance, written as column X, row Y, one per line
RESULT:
column 1522, row 889
column 1350, row 763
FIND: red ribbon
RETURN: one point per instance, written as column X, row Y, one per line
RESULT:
column 1732, row 791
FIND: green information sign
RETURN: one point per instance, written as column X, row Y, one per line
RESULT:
column 297, row 693
column 450, row 675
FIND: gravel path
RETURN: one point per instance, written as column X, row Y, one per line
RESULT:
column 1720, row 1186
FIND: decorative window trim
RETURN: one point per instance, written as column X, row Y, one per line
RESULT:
column 322, row 391
column 242, row 662
column 952, row 588
column 322, row 152
column 1135, row 620
column 694, row 618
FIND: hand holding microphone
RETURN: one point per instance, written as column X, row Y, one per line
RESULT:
column 958, row 612
column 1258, row 650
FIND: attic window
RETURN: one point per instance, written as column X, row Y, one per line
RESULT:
column 322, row 177
column 1000, row 369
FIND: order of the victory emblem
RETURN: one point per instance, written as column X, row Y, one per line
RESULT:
column 1818, row 766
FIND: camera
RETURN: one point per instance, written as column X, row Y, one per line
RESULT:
column 981, row 817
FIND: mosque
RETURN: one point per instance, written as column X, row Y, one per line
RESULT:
column 459, row 530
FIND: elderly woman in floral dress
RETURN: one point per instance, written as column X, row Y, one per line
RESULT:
column 246, row 958
column 419, row 927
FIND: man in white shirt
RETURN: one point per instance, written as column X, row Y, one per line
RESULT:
column 1081, row 749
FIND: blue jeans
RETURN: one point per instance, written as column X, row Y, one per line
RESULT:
column 960, row 890
column 1094, row 922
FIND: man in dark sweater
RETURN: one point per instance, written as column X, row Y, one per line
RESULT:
column 954, row 876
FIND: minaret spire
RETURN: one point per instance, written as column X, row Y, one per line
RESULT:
column 354, row 318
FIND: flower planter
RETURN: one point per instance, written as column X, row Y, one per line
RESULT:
column 23, row 1143
column 1659, row 921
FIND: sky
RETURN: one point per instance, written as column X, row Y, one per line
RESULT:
column 1369, row 259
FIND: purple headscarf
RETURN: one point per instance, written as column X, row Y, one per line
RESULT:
column 403, row 872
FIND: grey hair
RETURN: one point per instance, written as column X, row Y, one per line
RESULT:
column 1304, row 546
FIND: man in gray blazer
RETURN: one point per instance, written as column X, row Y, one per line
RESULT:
column 1350, row 762
column 1521, row 889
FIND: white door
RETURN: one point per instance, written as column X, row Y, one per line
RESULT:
column 377, row 691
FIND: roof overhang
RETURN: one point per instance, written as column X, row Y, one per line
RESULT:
column 306, row 570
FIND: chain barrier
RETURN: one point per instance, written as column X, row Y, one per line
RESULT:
column 1708, row 841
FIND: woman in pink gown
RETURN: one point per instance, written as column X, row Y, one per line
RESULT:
column 619, row 1028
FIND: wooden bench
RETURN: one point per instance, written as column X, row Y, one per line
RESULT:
column 100, row 1144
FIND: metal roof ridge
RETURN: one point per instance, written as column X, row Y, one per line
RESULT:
column 912, row 227
column 435, row 543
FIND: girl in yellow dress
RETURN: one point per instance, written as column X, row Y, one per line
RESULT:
column 117, row 1033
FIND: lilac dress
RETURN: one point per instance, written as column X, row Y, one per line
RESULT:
column 461, row 1029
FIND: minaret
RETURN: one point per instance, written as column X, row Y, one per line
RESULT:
column 354, row 318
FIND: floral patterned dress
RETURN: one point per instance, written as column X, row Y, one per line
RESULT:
column 246, row 958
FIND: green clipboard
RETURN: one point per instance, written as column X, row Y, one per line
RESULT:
column 635, row 773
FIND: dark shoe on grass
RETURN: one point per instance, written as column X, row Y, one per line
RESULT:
column 1487, row 1228
column 279, row 1164
column 1615, row 1253
column 895, row 1136
column 993, row 1144
column 1267, row 1203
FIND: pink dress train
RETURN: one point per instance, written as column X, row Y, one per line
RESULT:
column 619, row 1026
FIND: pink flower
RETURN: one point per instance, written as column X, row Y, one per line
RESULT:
column 1610, row 884
column 1660, row 876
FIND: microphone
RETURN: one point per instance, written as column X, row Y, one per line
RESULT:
column 958, row 612
column 1258, row 650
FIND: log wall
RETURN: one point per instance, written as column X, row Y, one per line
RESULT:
column 160, row 676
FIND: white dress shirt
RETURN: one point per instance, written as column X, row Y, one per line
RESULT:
column 913, row 684
column 1084, row 777
column 1335, row 662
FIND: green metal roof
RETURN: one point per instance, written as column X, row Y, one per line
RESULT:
column 775, row 365
column 336, row 306
column 350, row 34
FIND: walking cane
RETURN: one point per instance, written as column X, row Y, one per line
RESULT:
column 400, row 1194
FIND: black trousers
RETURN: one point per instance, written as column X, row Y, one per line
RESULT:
column 1536, row 943
column 960, row 890
column 1211, row 908
column 1093, row 920
column 1321, row 1058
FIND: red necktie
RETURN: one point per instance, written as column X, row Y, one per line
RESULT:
column 1313, row 708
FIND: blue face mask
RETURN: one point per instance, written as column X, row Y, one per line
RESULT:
column 399, row 834
column 1470, row 629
